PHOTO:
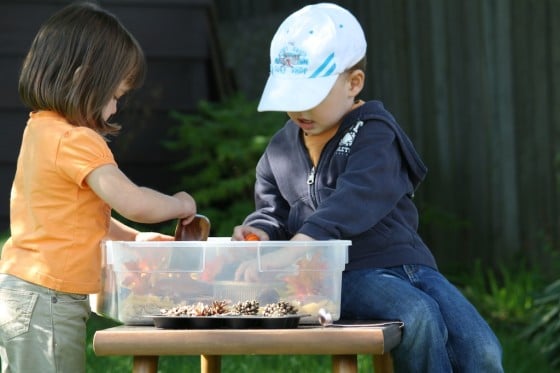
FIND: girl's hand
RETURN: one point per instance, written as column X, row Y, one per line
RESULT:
column 153, row 236
column 189, row 207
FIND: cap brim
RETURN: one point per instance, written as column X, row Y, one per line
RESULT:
column 294, row 94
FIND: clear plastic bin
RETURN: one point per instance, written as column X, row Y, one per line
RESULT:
column 141, row 278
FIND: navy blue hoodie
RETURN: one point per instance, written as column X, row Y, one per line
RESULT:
column 361, row 190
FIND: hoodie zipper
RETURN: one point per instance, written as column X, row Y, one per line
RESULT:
column 311, row 176
column 311, row 185
column 312, row 172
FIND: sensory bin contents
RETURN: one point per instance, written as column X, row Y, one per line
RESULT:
column 221, row 314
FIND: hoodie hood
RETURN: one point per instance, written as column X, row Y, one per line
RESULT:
column 375, row 111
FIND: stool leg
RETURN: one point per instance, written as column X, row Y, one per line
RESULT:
column 345, row 364
column 383, row 363
column 145, row 364
column 210, row 363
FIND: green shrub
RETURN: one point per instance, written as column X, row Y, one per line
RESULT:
column 545, row 326
column 220, row 146
column 511, row 298
column 504, row 295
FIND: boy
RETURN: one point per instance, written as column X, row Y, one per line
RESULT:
column 342, row 168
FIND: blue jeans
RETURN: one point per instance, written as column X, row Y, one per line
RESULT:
column 442, row 332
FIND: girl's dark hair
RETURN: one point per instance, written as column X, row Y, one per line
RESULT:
column 76, row 63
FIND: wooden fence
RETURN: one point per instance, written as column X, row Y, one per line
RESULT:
column 476, row 83
column 184, row 66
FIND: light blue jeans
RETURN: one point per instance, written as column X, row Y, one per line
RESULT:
column 41, row 330
column 442, row 332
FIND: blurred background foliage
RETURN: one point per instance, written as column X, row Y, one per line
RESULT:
column 220, row 146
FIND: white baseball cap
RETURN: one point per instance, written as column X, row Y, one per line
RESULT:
column 310, row 49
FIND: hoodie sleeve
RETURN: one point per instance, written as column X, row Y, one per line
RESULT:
column 271, row 210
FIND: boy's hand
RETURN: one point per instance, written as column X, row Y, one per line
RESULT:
column 302, row 237
column 248, row 271
column 241, row 231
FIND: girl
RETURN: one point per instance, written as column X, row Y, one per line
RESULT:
column 81, row 62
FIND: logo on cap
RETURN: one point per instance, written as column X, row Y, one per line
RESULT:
column 290, row 60
column 293, row 60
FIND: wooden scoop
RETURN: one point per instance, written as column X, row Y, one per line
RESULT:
column 197, row 230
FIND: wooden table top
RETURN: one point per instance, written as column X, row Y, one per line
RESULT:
column 149, row 341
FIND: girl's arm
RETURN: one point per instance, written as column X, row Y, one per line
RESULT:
column 121, row 232
column 139, row 204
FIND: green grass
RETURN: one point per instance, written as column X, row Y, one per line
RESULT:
column 519, row 355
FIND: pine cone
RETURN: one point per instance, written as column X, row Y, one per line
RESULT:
column 175, row 311
column 219, row 307
column 249, row 307
column 280, row 308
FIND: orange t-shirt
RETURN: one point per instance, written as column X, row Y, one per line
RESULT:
column 316, row 143
column 57, row 222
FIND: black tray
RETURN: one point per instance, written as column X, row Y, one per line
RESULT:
column 227, row 322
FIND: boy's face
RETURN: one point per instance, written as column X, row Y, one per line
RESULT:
column 333, row 108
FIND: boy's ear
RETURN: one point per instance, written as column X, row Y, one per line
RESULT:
column 357, row 78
